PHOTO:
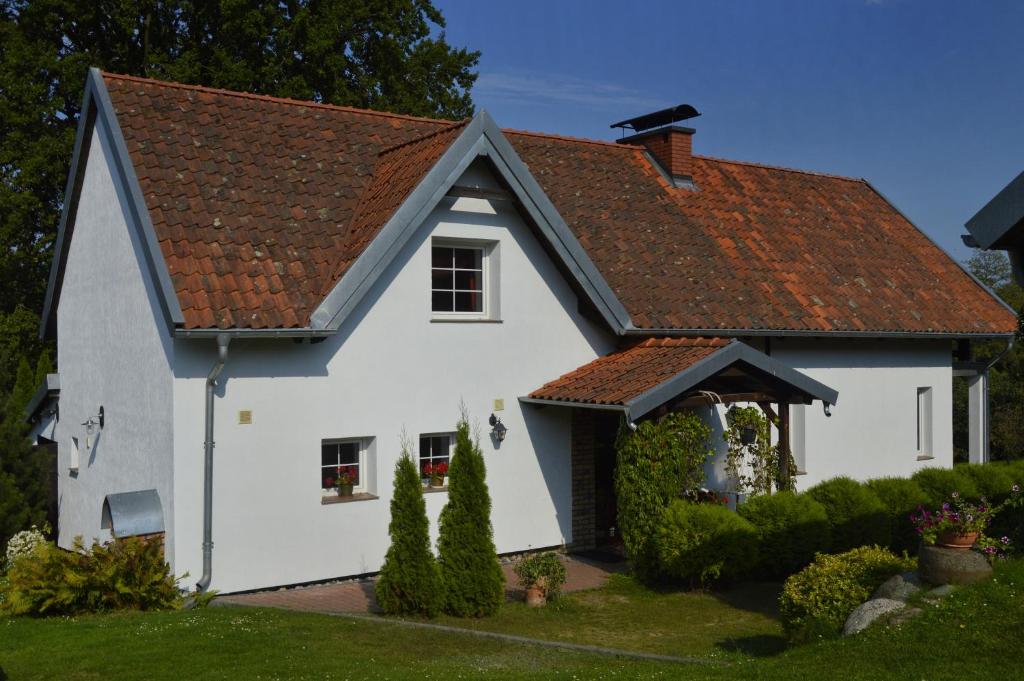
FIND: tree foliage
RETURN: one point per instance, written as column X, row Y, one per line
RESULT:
column 473, row 582
column 410, row 582
column 656, row 463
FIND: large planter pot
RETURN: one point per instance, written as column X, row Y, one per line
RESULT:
column 345, row 490
column 956, row 540
column 437, row 483
column 535, row 597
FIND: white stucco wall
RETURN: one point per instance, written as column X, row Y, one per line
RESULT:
column 872, row 432
column 112, row 350
column 390, row 368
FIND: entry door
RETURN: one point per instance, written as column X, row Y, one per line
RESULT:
column 606, row 521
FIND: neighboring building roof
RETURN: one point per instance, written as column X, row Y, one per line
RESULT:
column 260, row 205
column 1000, row 223
column 653, row 372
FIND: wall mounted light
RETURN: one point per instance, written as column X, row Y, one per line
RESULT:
column 498, row 429
column 90, row 425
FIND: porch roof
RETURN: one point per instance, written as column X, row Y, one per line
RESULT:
column 680, row 372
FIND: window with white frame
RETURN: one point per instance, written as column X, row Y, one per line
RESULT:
column 343, row 456
column 798, row 436
column 74, row 456
column 924, row 422
column 457, row 279
column 435, row 448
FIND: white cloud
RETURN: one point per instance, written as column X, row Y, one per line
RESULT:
column 563, row 90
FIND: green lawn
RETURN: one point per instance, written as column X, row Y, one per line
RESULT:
column 977, row 633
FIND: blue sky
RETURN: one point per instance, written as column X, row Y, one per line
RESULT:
column 924, row 99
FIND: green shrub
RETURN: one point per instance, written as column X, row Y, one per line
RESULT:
column 701, row 543
column 474, row 585
column 410, row 581
column 940, row 483
column 855, row 515
column 791, row 529
column 656, row 463
column 817, row 600
column 901, row 497
column 126, row 574
column 542, row 569
column 992, row 482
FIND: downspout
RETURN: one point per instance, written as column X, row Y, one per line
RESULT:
column 211, row 384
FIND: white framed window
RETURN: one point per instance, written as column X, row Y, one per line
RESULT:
column 924, row 423
column 348, row 454
column 435, row 448
column 798, row 436
column 74, row 458
column 463, row 280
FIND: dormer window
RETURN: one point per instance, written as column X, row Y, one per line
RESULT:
column 457, row 279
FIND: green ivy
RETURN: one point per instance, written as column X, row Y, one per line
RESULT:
column 657, row 462
column 753, row 467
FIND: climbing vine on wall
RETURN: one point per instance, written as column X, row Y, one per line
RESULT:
column 751, row 460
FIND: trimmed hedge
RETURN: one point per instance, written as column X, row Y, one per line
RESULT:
column 856, row 516
column 940, row 483
column 816, row 601
column 901, row 497
column 701, row 543
column 791, row 528
column 992, row 481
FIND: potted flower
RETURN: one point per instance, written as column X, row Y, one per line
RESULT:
column 436, row 473
column 959, row 524
column 346, row 480
column 541, row 575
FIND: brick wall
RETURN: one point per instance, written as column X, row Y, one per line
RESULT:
column 583, row 520
column 672, row 147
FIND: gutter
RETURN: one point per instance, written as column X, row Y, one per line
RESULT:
column 794, row 333
column 223, row 340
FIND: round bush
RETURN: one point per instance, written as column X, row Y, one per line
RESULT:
column 901, row 497
column 940, row 483
column 817, row 600
column 992, row 482
column 856, row 516
column 700, row 543
column 791, row 528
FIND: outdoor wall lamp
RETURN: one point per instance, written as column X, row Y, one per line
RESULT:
column 90, row 425
column 498, row 428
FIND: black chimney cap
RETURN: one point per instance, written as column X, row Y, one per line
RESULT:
column 672, row 114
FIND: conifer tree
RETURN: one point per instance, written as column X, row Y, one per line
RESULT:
column 409, row 582
column 473, row 582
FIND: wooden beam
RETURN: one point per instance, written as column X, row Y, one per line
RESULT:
column 766, row 407
column 784, row 472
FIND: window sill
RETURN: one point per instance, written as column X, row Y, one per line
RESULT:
column 432, row 490
column 925, row 457
column 464, row 320
column 800, row 473
column 361, row 496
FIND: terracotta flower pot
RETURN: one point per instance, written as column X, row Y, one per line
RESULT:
column 956, row 540
column 437, row 481
column 535, row 597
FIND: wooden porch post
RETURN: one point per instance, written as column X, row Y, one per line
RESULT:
column 784, row 472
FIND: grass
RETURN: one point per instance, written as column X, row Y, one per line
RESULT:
column 976, row 633
column 629, row 616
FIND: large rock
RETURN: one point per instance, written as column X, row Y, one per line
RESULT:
column 937, row 565
column 899, row 587
column 866, row 613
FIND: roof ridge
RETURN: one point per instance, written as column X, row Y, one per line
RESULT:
column 270, row 98
column 768, row 166
column 569, row 138
column 421, row 138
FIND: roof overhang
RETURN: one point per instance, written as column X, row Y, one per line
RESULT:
column 131, row 514
column 733, row 373
column 1000, row 223
column 44, row 395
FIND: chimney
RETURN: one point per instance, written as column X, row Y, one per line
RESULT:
column 671, row 145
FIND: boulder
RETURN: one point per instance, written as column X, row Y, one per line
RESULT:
column 904, row 616
column 940, row 592
column 866, row 613
column 899, row 587
column 938, row 565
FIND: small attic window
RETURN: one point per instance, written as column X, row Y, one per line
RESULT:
column 457, row 279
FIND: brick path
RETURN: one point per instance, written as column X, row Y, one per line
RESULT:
column 357, row 596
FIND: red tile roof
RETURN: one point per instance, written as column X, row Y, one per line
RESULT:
column 260, row 204
column 621, row 376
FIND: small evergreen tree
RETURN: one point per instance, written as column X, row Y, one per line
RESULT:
column 410, row 582
column 474, row 584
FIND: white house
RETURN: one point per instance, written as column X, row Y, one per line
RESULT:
column 249, row 291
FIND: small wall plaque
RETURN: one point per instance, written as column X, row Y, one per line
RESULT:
column 499, row 405
column 245, row 417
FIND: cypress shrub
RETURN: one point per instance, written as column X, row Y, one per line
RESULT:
column 993, row 482
column 855, row 515
column 791, row 528
column 656, row 463
column 473, row 583
column 701, row 543
column 901, row 497
column 940, row 483
column 410, row 581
